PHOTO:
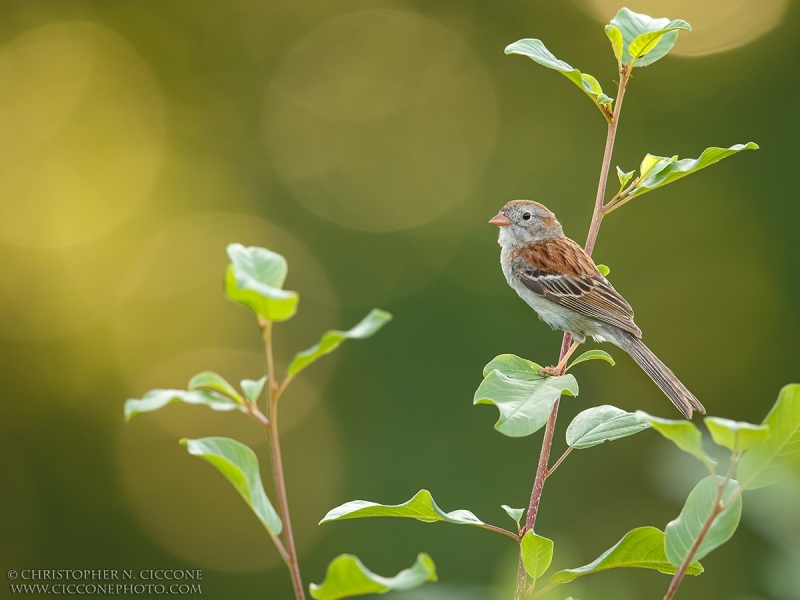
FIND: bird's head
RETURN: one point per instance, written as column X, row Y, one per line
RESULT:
column 524, row 222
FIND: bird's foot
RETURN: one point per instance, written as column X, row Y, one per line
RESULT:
column 550, row 371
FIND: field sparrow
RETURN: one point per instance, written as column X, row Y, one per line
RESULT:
column 562, row 284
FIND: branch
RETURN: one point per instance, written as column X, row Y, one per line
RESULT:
column 277, row 465
column 496, row 529
column 716, row 510
column 594, row 228
column 558, row 462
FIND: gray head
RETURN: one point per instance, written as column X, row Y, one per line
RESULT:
column 524, row 222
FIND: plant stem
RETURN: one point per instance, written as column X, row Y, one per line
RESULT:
column 496, row 529
column 558, row 462
column 594, row 228
column 277, row 465
column 611, row 137
column 717, row 509
column 679, row 574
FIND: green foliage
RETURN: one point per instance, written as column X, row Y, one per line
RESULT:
column 255, row 279
column 347, row 576
column 624, row 177
column 331, row 340
column 592, row 355
column 252, row 389
column 736, row 436
column 658, row 171
column 641, row 39
column 537, row 554
column 683, row 434
column 601, row 424
column 683, row 531
column 762, row 465
column 604, row 270
column 514, row 513
column 515, row 367
column 524, row 404
column 155, row 399
column 239, row 465
column 615, row 37
column 421, row 507
column 641, row 548
column 208, row 380
column 536, row 51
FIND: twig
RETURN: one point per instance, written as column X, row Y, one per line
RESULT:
column 542, row 591
column 717, row 509
column 594, row 228
column 679, row 574
column 277, row 465
column 558, row 462
column 496, row 529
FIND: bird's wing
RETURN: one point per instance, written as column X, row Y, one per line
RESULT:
column 558, row 269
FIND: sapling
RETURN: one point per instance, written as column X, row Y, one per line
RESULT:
column 255, row 279
column 528, row 396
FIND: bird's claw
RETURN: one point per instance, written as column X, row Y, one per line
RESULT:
column 549, row 371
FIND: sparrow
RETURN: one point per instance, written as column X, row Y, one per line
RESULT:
column 558, row 280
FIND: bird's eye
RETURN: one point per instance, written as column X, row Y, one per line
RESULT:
column 526, row 215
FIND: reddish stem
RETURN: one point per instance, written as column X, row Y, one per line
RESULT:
column 594, row 228
column 277, row 466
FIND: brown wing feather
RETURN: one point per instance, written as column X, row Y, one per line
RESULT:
column 559, row 270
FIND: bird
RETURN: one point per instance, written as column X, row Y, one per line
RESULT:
column 560, row 281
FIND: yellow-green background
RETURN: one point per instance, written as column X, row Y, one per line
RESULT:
column 369, row 142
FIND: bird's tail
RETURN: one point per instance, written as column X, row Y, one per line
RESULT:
column 665, row 379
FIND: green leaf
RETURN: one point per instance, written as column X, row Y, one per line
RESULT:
column 632, row 25
column 536, row 553
column 641, row 548
column 602, row 424
column 239, row 465
column 604, row 270
column 643, row 44
column 255, row 278
column 514, row 513
column 683, row 434
column 615, row 37
column 736, row 436
column 515, row 367
column 347, row 576
column 658, row 171
column 536, row 51
column 524, row 406
column 684, row 531
column 592, row 355
column 624, row 177
column 155, row 399
column 252, row 389
column 762, row 465
column 209, row 380
column 331, row 340
column 649, row 161
column 421, row 507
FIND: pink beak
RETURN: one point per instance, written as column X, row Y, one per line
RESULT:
column 501, row 220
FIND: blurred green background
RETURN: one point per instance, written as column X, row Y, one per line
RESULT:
column 369, row 142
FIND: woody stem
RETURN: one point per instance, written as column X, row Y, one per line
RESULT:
column 594, row 228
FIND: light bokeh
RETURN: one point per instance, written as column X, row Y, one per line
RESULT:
column 373, row 148
column 85, row 167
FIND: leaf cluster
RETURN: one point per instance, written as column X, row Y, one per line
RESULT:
column 255, row 278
